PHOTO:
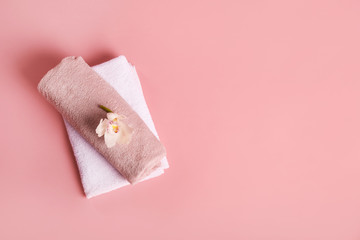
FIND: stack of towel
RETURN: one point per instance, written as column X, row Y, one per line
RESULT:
column 76, row 90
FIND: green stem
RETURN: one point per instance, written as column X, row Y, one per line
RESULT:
column 105, row 108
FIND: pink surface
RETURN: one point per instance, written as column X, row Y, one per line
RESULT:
column 257, row 103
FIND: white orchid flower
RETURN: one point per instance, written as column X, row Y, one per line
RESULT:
column 114, row 130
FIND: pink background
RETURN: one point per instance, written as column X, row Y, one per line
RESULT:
column 257, row 103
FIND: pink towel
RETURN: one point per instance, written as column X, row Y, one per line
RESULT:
column 76, row 90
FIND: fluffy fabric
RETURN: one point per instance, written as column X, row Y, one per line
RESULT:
column 97, row 175
column 76, row 91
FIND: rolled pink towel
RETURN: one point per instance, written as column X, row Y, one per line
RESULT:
column 76, row 91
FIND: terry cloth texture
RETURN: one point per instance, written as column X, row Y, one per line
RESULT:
column 76, row 90
column 97, row 175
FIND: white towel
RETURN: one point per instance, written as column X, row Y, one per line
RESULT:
column 97, row 175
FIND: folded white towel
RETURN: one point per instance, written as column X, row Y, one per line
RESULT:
column 97, row 175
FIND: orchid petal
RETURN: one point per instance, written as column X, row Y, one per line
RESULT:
column 111, row 116
column 101, row 128
column 110, row 139
column 114, row 130
column 125, row 133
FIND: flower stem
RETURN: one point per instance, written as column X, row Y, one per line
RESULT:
column 105, row 108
